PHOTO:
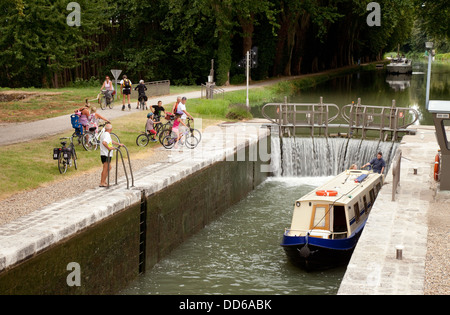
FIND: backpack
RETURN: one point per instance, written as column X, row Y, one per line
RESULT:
column 126, row 84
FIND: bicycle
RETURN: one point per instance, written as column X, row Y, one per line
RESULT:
column 104, row 101
column 91, row 139
column 187, row 137
column 144, row 138
column 142, row 101
column 166, row 128
column 65, row 155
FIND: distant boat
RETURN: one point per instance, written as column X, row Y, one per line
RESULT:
column 327, row 222
column 400, row 65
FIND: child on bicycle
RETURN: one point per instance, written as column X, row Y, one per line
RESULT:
column 175, row 130
column 150, row 126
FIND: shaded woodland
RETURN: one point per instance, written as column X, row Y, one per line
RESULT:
column 176, row 39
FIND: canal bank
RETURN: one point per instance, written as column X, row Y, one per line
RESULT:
column 416, row 223
column 96, row 237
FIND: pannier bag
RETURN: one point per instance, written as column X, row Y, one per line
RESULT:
column 67, row 153
column 56, row 152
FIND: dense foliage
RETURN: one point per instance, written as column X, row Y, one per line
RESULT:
column 176, row 39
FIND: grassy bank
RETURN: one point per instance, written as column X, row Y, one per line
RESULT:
column 30, row 104
column 29, row 165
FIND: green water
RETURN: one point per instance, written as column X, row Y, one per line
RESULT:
column 377, row 87
column 240, row 254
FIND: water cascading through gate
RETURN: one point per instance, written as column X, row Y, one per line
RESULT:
column 315, row 157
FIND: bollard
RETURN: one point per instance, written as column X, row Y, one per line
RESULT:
column 399, row 250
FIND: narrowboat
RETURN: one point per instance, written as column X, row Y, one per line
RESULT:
column 327, row 222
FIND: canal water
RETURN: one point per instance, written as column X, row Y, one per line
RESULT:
column 376, row 87
column 240, row 252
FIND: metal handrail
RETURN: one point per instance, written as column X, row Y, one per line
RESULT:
column 118, row 151
column 311, row 111
column 363, row 115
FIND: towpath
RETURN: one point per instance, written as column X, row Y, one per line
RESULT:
column 22, row 132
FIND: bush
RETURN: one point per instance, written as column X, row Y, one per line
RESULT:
column 238, row 112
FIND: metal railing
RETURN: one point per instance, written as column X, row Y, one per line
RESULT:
column 382, row 119
column 154, row 88
column 119, row 152
column 396, row 166
column 352, row 118
column 302, row 115
column 208, row 91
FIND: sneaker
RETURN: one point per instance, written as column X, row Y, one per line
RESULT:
column 153, row 140
column 129, row 107
column 123, row 107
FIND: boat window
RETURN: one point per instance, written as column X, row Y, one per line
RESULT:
column 365, row 204
column 320, row 218
column 339, row 222
column 356, row 209
column 378, row 188
column 372, row 197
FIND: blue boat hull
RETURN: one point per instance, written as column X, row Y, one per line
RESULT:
column 318, row 253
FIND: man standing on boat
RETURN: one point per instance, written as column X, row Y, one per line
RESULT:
column 378, row 164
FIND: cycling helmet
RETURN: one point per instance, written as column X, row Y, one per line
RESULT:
column 149, row 115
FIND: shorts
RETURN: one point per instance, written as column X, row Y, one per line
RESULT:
column 175, row 130
column 153, row 131
column 126, row 91
column 143, row 97
column 105, row 158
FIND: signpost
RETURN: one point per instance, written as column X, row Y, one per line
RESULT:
column 116, row 74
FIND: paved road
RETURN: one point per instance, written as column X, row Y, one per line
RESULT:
column 21, row 132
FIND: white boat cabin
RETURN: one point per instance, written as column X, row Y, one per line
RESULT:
column 338, row 208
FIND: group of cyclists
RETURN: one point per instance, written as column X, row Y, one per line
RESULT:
column 125, row 85
column 88, row 117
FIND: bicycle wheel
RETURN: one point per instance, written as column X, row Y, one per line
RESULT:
column 191, row 141
column 115, row 137
column 62, row 164
column 196, row 133
column 102, row 102
column 168, row 142
column 111, row 102
column 142, row 140
column 89, row 142
column 74, row 157
column 164, row 133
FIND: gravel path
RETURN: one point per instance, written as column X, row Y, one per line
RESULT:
column 21, row 204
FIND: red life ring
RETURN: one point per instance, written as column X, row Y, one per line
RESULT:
column 329, row 193
column 436, row 167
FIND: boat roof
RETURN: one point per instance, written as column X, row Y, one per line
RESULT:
column 347, row 184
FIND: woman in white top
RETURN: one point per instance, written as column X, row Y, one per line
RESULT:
column 108, row 86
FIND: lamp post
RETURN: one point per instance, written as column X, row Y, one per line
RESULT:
column 247, row 66
column 429, row 47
